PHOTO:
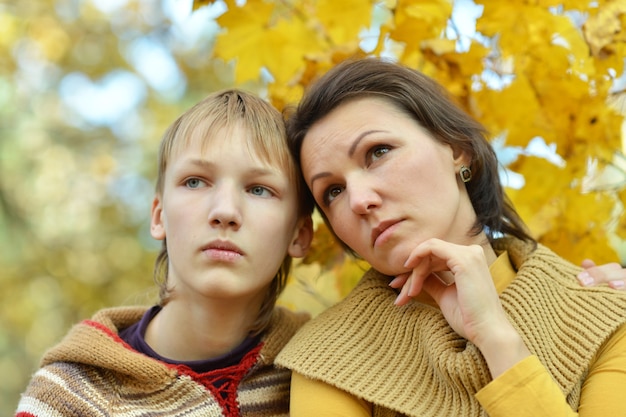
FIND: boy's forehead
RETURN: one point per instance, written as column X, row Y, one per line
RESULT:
column 207, row 139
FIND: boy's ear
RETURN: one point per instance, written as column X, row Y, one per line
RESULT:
column 157, row 229
column 302, row 239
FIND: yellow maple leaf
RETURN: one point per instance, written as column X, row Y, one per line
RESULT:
column 245, row 38
column 499, row 17
column 348, row 273
column 439, row 46
column 454, row 70
column 324, row 249
column 515, row 111
column 290, row 44
column 602, row 28
column 417, row 20
column 201, row 3
column 257, row 38
column 537, row 201
column 568, row 5
column 573, row 224
column 344, row 19
column 581, row 229
column 620, row 229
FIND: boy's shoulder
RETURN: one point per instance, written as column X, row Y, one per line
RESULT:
column 283, row 326
column 289, row 321
column 95, row 342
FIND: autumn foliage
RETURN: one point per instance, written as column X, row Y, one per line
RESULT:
column 534, row 70
column 75, row 193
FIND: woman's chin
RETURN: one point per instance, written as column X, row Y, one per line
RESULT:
column 390, row 269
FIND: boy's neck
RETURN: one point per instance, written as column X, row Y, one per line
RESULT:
column 186, row 332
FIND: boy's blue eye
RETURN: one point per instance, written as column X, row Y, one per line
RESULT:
column 260, row 191
column 193, row 183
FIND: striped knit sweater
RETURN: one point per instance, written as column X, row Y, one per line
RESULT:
column 93, row 372
column 408, row 361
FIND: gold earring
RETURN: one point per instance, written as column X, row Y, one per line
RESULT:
column 465, row 173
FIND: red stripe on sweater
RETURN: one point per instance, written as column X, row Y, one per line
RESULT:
column 226, row 394
column 104, row 329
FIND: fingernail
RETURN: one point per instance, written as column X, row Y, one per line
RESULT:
column 585, row 278
column 617, row 284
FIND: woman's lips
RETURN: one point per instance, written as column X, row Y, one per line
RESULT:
column 382, row 233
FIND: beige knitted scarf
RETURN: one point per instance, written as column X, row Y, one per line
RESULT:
column 408, row 360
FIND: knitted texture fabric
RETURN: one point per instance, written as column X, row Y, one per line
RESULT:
column 93, row 372
column 408, row 361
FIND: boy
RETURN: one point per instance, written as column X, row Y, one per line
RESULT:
column 231, row 212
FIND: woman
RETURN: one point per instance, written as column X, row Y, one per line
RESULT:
column 498, row 324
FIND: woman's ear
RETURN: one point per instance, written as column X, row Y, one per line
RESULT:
column 302, row 238
column 461, row 158
column 157, row 227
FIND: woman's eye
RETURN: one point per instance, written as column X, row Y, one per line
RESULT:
column 260, row 191
column 332, row 193
column 194, row 183
column 378, row 152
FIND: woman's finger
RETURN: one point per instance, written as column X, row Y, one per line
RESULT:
column 612, row 274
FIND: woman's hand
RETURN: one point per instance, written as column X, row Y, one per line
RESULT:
column 470, row 305
column 612, row 274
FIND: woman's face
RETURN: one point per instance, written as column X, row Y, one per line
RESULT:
column 384, row 183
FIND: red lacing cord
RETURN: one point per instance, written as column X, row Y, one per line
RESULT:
column 230, row 378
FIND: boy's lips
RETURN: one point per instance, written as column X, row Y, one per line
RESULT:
column 383, row 229
column 222, row 249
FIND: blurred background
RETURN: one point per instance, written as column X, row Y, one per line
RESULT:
column 87, row 87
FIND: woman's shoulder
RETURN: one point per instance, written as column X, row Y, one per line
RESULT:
column 366, row 316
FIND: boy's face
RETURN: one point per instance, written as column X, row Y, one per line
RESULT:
column 229, row 219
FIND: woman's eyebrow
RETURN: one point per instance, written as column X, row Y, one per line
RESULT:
column 318, row 176
column 359, row 139
column 351, row 151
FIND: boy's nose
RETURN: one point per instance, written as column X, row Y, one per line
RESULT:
column 225, row 210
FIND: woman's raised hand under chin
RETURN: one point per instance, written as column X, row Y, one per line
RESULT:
column 470, row 305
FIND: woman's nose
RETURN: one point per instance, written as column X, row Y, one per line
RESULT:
column 363, row 197
column 225, row 208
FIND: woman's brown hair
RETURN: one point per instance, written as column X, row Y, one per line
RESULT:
column 424, row 100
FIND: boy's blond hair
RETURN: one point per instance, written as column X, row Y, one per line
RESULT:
column 267, row 140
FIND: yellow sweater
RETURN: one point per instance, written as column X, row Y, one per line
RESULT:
column 374, row 358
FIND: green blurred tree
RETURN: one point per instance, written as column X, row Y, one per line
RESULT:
column 86, row 90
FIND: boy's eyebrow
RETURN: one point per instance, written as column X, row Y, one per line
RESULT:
column 254, row 171
column 200, row 162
